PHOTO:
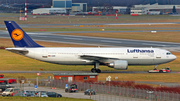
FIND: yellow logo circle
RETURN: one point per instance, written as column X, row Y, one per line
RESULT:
column 17, row 34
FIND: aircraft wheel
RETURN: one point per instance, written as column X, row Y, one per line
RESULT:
column 93, row 70
column 98, row 70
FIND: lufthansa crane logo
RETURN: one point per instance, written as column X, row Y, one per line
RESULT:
column 17, row 34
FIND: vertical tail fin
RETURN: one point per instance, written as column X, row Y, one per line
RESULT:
column 18, row 36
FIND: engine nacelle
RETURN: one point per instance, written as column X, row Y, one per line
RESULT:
column 119, row 64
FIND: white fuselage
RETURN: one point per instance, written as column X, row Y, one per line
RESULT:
column 72, row 56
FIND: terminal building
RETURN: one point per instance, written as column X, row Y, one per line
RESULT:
column 154, row 9
column 110, row 10
column 139, row 10
column 79, row 7
column 58, row 7
column 48, row 11
column 66, row 4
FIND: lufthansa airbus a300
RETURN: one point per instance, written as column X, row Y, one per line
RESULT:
column 117, row 58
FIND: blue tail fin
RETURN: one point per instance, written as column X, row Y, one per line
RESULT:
column 18, row 36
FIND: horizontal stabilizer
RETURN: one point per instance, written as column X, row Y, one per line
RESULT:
column 21, row 51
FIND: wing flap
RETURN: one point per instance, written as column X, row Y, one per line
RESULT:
column 98, row 58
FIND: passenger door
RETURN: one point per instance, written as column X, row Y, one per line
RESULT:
column 158, row 55
column 69, row 79
column 11, row 92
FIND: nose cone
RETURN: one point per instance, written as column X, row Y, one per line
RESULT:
column 174, row 57
column 170, row 58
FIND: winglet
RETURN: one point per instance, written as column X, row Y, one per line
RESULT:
column 18, row 36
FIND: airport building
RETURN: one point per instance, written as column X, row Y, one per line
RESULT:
column 78, row 77
column 139, row 10
column 59, row 7
column 67, row 4
column 47, row 11
column 79, row 7
column 154, row 9
column 111, row 10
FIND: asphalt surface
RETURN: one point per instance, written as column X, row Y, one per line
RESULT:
column 31, row 25
column 109, row 31
column 97, row 41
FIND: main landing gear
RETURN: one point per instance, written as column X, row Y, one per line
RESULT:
column 95, row 69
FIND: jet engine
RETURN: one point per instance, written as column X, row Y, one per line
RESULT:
column 119, row 64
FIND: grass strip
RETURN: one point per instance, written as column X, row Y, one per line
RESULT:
column 40, row 99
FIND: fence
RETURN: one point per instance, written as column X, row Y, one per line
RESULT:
column 110, row 93
column 120, row 93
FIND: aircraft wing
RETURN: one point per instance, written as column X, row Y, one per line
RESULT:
column 21, row 51
column 98, row 58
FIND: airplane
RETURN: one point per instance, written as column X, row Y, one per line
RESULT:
column 117, row 58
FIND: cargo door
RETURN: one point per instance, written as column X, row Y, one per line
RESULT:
column 44, row 53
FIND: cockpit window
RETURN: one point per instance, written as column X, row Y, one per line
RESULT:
column 168, row 53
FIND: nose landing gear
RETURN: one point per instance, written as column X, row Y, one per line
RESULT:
column 155, row 67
